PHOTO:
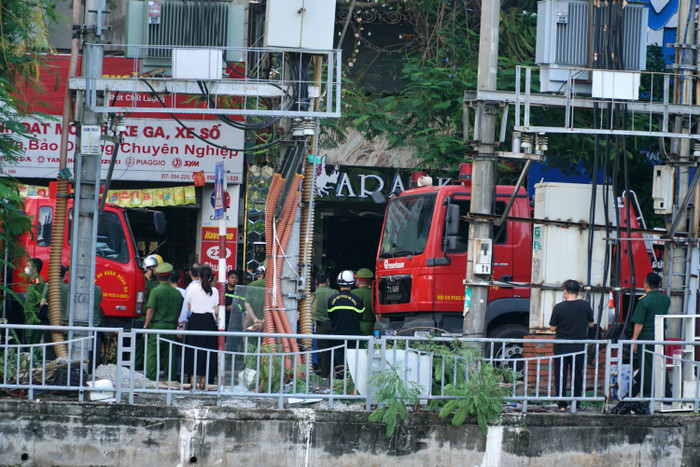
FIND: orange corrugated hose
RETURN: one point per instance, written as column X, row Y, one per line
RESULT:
column 276, row 241
column 272, row 198
column 307, row 213
column 55, row 266
column 287, row 221
column 283, row 235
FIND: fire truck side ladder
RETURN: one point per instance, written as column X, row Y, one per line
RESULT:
column 126, row 365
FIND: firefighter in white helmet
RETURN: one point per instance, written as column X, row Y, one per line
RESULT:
column 345, row 310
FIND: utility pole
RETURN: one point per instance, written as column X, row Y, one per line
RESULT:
column 676, row 256
column 483, row 166
column 87, row 173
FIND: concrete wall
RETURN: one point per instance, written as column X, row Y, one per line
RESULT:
column 41, row 433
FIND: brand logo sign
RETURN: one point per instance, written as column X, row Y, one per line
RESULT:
column 388, row 265
column 343, row 183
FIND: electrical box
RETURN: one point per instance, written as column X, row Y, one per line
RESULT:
column 305, row 24
column 482, row 256
column 563, row 37
column 662, row 189
column 609, row 84
column 155, row 28
column 199, row 64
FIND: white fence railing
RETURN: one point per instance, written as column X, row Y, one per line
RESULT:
column 106, row 363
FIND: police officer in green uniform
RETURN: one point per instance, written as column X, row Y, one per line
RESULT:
column 150, row 263
column 162, row 310
column 323, row 320
column 364, row 291
column 648, row 306
column 32, row 299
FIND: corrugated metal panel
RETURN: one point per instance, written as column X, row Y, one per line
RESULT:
column 634, row 41
column 572, row 37
column 192, row 24
column 561, row 253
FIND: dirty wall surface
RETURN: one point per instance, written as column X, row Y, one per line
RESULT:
column 69, row 433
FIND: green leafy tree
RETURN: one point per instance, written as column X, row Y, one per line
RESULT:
column 435, row 70
column 441, row 62
column 23, row 35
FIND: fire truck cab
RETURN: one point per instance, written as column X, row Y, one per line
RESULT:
column 118, row 271
column 422, row 260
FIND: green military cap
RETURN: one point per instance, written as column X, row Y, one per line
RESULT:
column 164, row 268
column 364, row 273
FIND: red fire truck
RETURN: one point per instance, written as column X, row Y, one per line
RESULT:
column 422, row 261
column 118, row 271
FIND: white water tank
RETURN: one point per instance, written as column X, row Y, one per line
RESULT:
column 561, row 252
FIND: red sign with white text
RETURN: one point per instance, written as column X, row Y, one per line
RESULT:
column 155, row 148
column 210, row 248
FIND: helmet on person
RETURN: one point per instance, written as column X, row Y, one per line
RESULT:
column 346, row 278
column 364, row 273
column 158, row 258
column 164, row 268
column 150, row 261
column 260, row 270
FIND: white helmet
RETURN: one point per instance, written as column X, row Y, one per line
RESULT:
column 149, row 261
column 346, row 278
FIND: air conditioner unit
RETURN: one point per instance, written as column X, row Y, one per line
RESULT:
column 170, row 24
column 563, row 35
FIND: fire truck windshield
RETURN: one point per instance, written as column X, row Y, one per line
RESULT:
column 407, row 226
column 111, row 240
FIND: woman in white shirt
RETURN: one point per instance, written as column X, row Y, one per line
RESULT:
column 201, row 351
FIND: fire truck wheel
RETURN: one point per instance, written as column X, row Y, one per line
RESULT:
column 509, row 354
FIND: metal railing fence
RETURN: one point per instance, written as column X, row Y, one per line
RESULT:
column 107, row 363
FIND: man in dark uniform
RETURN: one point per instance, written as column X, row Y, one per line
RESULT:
column 570, row 320
column 345, row 310
column 234, row 310
column 364, row 291
column 162, row 310
column 255, row 302
column 649, row 305
column 323, row 320
column 232, row 305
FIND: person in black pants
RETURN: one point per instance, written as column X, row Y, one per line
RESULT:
column 345, row 310
column 570, row 320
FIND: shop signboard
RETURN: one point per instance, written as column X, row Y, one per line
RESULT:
column 210, row 248
column 350, row 183
column 153, row 149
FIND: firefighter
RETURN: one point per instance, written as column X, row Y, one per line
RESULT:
column 364, row 291
column 345, row 310
column 162, row 310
